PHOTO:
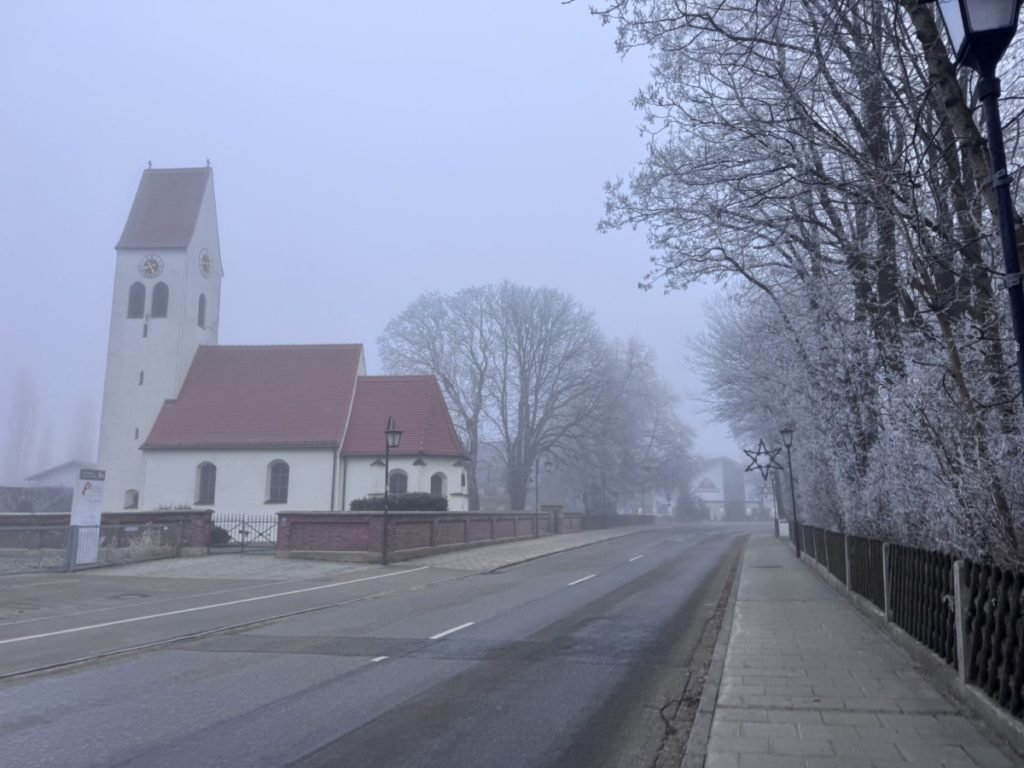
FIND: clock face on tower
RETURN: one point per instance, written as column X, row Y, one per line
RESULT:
column 151, row 266
column 205, row 262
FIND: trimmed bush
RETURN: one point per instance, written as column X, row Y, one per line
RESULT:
column 402, row 502
column 219, row 537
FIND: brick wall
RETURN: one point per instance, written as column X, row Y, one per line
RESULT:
column 357, row 536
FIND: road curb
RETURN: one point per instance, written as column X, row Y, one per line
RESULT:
column 697, row 744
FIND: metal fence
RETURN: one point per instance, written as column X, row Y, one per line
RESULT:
column 34, row 548
column 835, row 554
column 994, row 634
column 921, row 598
column 867, row 577
column 244, row 534
column 69, row 548
column 932, row 597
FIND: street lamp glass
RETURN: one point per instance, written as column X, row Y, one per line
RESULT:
column 979, row 30
column 393, row 435
column 548, row 465
column 787, row 436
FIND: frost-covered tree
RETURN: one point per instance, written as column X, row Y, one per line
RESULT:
column 823, row 156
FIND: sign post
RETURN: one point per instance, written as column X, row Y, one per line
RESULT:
column 86, row 513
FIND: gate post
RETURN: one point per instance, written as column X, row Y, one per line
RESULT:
column 846, row 555
column 71, row 553
column 886, row 581
column 960, row 598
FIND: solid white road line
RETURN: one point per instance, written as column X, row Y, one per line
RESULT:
column 633, row 559
column 580, row 581
column 205, row 607
column 439, row 635
column 379, row 658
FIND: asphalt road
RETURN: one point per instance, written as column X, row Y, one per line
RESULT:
column 568, row 660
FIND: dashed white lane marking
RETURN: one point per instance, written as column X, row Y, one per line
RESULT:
column 379, row 658
column 580, row 581
column 632, row 559
column 205, row 607
column 439, row 635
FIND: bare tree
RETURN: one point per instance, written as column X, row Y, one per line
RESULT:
column 824, row 155
column 22, row 421
column 633, row 442
column 543, row 386
column 452, row 338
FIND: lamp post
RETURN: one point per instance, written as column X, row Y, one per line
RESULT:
column 392, row 437
column 980, row 32
column 787, row 440
column 536, row 492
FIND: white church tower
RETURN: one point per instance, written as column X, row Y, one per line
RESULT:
column 166, row 303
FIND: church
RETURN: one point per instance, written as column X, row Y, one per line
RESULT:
column 187, row 422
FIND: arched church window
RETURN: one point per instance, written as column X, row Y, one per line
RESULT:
column 201, row 315
column 206, row 483
column 277, row 482
column 438, row 484
column 161, row 294
column 136, row 300
column 131, row 499
column 398, row 481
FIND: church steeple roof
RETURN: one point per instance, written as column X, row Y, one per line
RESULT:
column 166, row 208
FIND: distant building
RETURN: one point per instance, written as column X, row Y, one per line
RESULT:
column 244, row 429
column 61, row 476
column 718, row 486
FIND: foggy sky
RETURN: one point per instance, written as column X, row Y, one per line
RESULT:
column 362, row 154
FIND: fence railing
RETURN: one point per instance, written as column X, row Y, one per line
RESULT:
column 70, row 548
column 970, row 615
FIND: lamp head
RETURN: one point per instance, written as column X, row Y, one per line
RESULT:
column 979, row 30
column 394, row 437
column 787, row 436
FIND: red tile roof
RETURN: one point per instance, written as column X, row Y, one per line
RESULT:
column 165, row 209
column 420, row 414
column 249, row 397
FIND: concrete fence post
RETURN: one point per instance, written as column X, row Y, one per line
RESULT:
column 960, row 597
column 846, row 554
column 886, row 581
column 71, row 555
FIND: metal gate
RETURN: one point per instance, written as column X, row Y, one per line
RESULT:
column 243, row 534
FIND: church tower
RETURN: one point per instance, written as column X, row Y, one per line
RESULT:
column 166, row 303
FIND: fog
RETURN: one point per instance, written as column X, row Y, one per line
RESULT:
column 362, row 154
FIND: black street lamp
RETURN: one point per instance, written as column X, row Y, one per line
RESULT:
column 980, row 32
column 392, row 437
column 536, row 492
column 787, row 440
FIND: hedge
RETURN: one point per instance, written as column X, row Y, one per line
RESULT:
column 402, row 502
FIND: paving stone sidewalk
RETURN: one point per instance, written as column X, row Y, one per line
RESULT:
column 808, row 682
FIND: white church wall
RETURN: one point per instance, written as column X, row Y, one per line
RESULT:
column 363, row 477
column 171, row 478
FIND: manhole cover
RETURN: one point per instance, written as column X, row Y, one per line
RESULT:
column 130, row 596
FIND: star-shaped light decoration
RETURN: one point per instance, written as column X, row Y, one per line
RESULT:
column 763, row 459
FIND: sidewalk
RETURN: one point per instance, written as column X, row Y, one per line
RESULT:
column 809, row 682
